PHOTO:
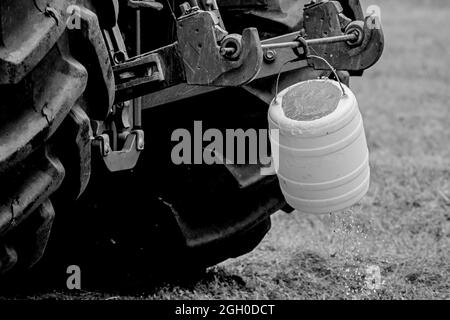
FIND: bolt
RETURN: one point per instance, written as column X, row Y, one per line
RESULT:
column 185, row 8
column 119, row 57
column 358, row 37
column 227, row 51
column 270, row 55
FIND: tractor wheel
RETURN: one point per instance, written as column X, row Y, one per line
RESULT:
column 44, row 122
column 144, row 219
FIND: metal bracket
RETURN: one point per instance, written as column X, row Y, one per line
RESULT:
column 104, row 144
column 343, row 55
column 206, row 57
column 206, row 62
column 126, row 158
column 138, row 71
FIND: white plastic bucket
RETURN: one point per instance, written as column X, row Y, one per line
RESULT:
column 320, row 154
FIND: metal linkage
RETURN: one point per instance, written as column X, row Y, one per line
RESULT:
column 143, row 4
column 296, row 44
column 206, row 57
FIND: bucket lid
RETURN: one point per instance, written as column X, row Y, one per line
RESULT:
column 313, row 108
column 311, row 100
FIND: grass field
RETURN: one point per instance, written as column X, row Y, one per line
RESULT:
column 402, row 226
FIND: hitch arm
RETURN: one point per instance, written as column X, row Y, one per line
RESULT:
column 206, row 57
column 354, row 46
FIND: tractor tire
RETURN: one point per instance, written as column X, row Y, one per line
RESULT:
column 44, row 126
column 156, row 219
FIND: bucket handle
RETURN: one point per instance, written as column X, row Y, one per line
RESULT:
column 303, row 44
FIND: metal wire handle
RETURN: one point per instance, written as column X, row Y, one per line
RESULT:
column 332, row 69
column 308, row 56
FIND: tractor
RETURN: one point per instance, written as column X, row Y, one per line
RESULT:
column 91, row 94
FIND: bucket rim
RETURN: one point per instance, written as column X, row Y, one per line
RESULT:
column 345, row 111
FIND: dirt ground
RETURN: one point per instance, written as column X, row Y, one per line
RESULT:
column 402, row 227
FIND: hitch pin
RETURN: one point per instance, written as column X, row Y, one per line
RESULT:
column 295, row 44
